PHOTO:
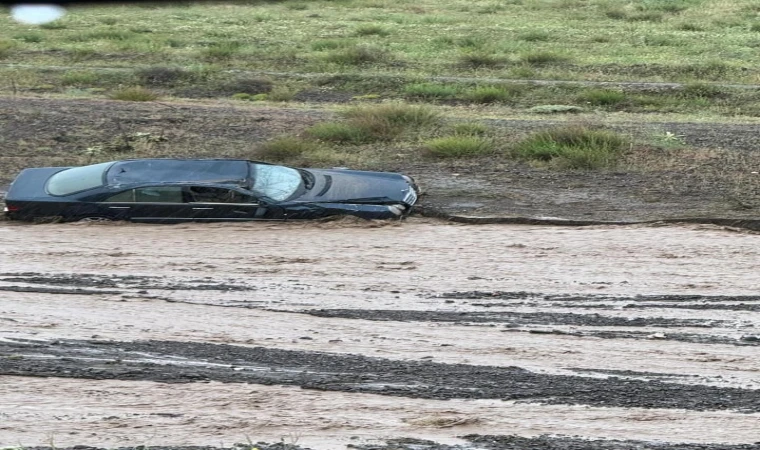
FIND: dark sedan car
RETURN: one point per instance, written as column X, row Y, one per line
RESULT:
column 182, row 190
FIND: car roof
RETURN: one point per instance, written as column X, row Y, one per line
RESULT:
column 166, row 170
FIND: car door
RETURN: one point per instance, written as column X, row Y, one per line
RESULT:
column 148, row 204
column 214, row 203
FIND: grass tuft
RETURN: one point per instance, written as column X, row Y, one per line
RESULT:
column 371, row 123
column 477, row 60
column 616, row 13
column 162, row 76
column 30, row 38
column 487, row 94
column 572, row 147
column 219, row 51
column 343, row 133
column 602, row 97
column 371, row 30
column 689, row 26
column 396, row 113
column 459, row 146
column 543, row 58
column 430, row 91
column 135, row 94
column 79, row 78
column 535, row 36
column 702, row 90
column 358, row 55
column 286, row 149
column 470, row 129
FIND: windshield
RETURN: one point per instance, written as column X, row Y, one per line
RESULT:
column 276, row 182
column 77, row 179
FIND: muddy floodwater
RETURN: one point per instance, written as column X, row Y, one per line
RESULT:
column 406, row 335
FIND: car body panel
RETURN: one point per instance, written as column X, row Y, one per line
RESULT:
column 155, row 190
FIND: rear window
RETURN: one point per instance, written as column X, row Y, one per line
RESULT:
column 77, row 179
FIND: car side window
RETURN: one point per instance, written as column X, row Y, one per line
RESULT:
column 159, row 194
column 122, row 197
column 210, row 194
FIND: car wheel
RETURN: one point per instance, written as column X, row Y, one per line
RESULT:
column 94, row 219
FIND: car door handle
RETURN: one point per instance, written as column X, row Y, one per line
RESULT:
column 202, row 208
column 119, row 207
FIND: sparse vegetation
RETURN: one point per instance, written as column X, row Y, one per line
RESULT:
column 398, row 114
column 348, row 133
column 602, row 97
column 476, row 60
column 541, row 58
column 79, row 78
column 470, row 129
column 6, row 47
column 371, row 30
column 572, row 147
column 458, row 146
column 286, row 149
column 535, row 36
column 487, row 94
column 220, row 51
column 358, row 55
column 430, row 91
column 373, row 123
column 555, row 109
column 135, row 94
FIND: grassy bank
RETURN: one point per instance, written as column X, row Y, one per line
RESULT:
column 343, row 49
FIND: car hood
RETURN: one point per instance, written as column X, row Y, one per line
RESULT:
column 351, row 186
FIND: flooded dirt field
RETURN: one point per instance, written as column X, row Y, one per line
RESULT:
column 414, row 335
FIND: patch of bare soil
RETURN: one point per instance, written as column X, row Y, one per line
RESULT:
column 345, row 334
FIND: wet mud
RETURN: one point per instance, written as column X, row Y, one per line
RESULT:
column 409, row 336
column 183, row 362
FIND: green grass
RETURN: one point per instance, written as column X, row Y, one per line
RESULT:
column 430, row 91
column 30, row 37
column 572, row 147
column 221, row 51
column 479, row 60
column 392, row 49
column 80, row 78
column 372, row 123
column 602, row 97
column 459, row 146
column 487, row 94
column 429, row 36
column 535, row 36
column 544, row 57
column 286, row 149
column 470, row 129
column 358, row 55
column 399, row 114
column 371, row 30
column 346, row 133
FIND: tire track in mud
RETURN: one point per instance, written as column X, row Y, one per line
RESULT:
column 183, row 362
